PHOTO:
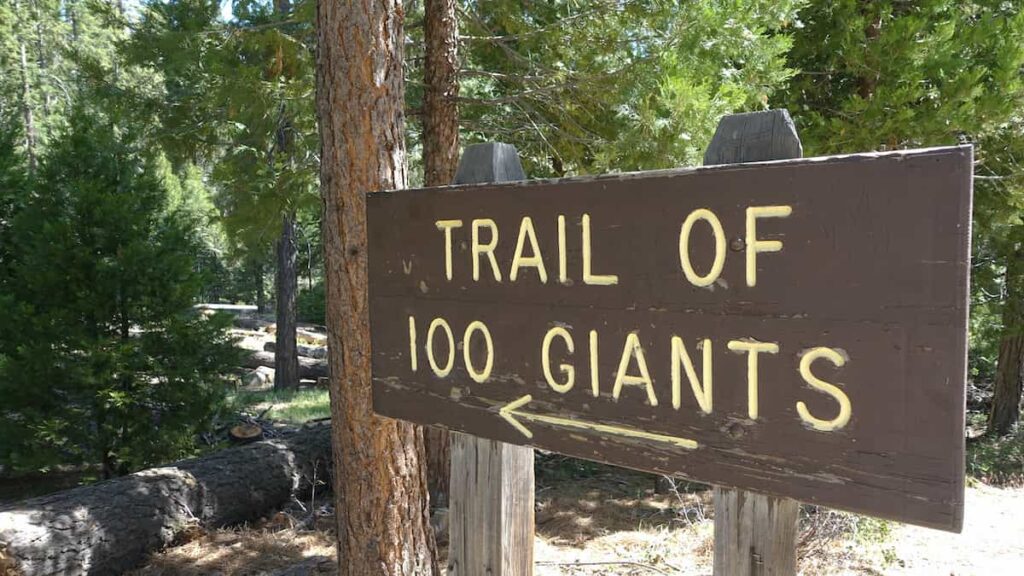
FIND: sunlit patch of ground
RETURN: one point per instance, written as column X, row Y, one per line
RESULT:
column 294, row 406
column 992, row 542
column 263, row 551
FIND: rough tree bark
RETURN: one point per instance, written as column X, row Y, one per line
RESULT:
column 383, row 514
column 110, row 527
column 286, row 354
column 1009, row 376
column 440, row 161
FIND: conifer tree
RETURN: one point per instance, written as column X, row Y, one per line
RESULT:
column 607, row 86
column 891, row 75
column 104, row 359
column 248, row 113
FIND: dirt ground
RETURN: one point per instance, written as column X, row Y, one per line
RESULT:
column 601, row 521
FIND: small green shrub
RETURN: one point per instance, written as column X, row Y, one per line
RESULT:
column 311, row 305
column 997, row 460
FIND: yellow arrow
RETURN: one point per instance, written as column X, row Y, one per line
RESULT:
column 511, row 411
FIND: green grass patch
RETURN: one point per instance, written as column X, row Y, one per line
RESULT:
column 998, row 461
column 291, row 406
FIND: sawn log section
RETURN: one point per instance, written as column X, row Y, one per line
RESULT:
column 864, row 257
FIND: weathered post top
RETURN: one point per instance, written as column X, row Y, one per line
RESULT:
column 754, row 137
column 489, row 162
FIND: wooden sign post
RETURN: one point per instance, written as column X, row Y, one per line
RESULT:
column 755, row 533
column 786, row 331
column 491, row 522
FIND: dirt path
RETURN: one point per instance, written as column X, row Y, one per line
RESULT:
column 641, row 537
column 992, row 543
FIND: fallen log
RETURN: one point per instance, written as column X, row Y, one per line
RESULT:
column 309, row 368
column 248, row 323
column 110, row 527
column 316, row 338
column 239, row 310
column 261, row 378
column 318, row 352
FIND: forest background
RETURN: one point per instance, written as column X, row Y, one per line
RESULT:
column 154, row 155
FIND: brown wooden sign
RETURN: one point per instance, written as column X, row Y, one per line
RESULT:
column 796, row 328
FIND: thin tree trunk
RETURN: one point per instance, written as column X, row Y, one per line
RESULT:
column 286, row 355
column 261, row 294
column 869, row 76
column 440, row 106
column 380, row 485
column 440, row 160
column 74, row 17
column 309, row 264
column 43, row 65
column 1009, row 376
column 26, row 103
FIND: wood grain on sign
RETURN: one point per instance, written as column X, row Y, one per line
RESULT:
column 868, row 290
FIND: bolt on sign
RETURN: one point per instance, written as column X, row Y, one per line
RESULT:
column 796, row 328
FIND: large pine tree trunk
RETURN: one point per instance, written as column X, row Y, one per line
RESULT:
column 1009, row 376
column 286, row 355
column 383, row 515
column 440, row 160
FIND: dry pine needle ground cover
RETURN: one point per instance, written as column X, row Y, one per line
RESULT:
column 598, row 520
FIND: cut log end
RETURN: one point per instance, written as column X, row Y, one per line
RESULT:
column 246, row 432
column 7, row 565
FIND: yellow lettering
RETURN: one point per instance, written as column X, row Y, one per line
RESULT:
column 752, row 348
column 588, row 277
column 487, row 249
column 518, row 260
column 595, row 385
column 753, row 244
column 441, row 372
column 630, row 350
column 563, row 273
column 567, row 369
column 447, row 226
column 843, row 418
column 702, row 392
column 474, row 327
column 412, row 343
column 684, row 247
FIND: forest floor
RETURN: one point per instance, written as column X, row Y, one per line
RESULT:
column 595, row 520
column 599, row 520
